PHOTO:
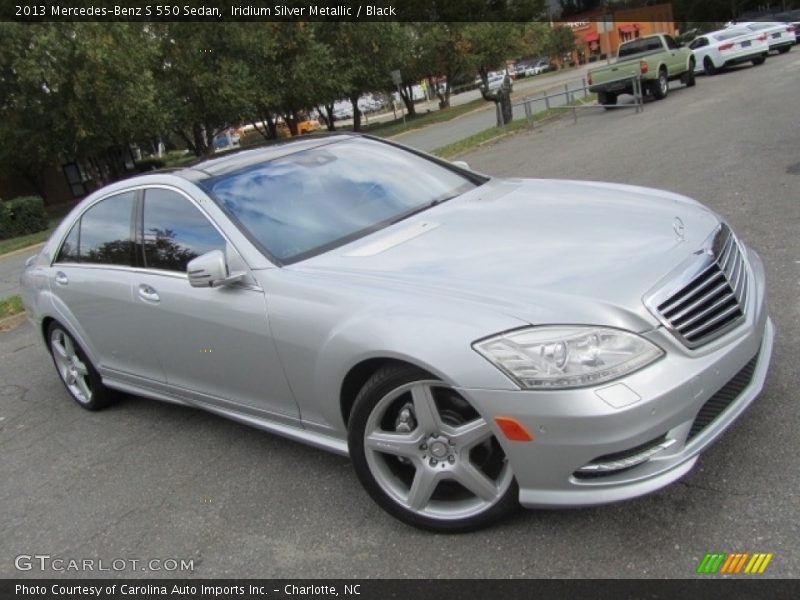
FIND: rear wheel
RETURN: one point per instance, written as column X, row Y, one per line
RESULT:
column 607, row 99
column 784, row 50
column 759, row 61
column 426, row 456
column 77, row 373
column 708, row 66
column 660, row 87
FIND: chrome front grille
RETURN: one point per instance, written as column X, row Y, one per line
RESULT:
column 708, row 298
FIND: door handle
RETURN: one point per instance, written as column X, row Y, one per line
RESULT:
column 61, row 278
column 147, row 293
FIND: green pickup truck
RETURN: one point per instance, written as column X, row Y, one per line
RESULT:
column 657, row 58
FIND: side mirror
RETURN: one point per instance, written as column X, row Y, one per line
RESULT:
column 461, row 164
column 211, row 270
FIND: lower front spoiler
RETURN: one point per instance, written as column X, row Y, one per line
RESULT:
column 656, row 473
column 593, row 496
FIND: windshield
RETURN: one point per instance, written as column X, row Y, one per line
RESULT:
column 316, row 199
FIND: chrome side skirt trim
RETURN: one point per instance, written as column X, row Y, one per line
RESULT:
column 291, row 428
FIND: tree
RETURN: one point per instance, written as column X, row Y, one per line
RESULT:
column 561, row 41
column 204, row 79
column 363, row 56
column 67, row 92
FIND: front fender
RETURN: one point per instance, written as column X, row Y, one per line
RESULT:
column 321, row 338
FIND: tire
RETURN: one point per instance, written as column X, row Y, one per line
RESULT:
column 607, row 99
column 759, row 61
column 660, row 87
column 784, row 49
column 690, row 80
column 76, row 371
column 426, row 456
column 708, row 66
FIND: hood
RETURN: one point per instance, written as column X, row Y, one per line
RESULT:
column 542, row 251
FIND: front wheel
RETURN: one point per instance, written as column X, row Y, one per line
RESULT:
column 77, row 373
column 784, row 50
column 708, row 66
column 426, row 456
column 759, row 61
column 690, row 80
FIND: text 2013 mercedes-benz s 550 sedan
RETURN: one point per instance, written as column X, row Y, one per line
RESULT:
column 471, row 343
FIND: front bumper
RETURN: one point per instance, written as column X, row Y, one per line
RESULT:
column 576, row 428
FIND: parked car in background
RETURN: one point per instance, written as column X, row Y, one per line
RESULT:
column 536, row 69
column 471, row 343
column 225, row 140
column 495, row 80
column 658, row 59
column 791, row 17
column 780, row 36
column 305, row 125
column 719, row 49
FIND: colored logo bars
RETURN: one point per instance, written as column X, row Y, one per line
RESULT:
column 739, row 562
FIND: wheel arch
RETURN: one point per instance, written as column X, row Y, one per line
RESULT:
column 360, row 373
column 44, row 326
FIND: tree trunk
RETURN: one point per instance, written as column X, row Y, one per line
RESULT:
column 189, row 141
column 356, row 113
column 444, row 98
column 199, row 142
column 501, row 99
column 210, row 133
column 327, row 116
column 290, row 118
column 407, row 95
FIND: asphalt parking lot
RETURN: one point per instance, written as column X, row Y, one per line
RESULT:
column 147, row 480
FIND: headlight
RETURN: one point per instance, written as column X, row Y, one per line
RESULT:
column 559, row 357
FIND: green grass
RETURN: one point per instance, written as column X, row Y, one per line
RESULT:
column 10, row 306
column 24, row 241
column 396, row 126
column 515, row 126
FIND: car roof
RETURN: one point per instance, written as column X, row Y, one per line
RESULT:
column 243, row 158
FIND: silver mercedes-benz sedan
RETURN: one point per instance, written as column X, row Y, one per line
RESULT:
column 472, row 343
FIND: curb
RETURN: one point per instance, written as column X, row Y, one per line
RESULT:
column 424, row 127
column 12, row 322
column 21, row 250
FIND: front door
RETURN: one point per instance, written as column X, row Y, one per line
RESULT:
column 214, row 344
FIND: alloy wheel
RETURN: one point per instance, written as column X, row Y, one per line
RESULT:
column 433, row 455
column 71, row 368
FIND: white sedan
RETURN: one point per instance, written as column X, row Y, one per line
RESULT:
column 780, row 36
column 719, row 49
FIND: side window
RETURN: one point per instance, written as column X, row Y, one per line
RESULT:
column 175, row 231
column 671, row 44
column 69, row 249
column 105, row 231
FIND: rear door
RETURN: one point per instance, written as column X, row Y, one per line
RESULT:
column 91, row 280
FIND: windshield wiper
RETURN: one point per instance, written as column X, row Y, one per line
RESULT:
column 423, row 208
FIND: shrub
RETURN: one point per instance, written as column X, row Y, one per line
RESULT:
column 21, row 216
column 150, row 163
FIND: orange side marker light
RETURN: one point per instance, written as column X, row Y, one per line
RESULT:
column 513, row 429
